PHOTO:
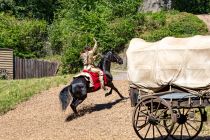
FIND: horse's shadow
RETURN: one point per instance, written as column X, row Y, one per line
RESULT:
column 90, row 109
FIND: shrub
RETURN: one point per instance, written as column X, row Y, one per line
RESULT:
column 173, row 24
column 26, row 37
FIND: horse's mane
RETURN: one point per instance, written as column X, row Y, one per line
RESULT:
column 100, row 64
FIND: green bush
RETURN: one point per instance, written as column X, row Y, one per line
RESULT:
column 171, row 24
column 26, row 37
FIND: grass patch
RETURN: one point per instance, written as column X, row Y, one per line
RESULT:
column 13, row 92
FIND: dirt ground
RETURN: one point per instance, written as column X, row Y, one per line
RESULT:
column 102, row 118
column 42, row 119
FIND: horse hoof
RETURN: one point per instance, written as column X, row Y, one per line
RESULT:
column 107, row 94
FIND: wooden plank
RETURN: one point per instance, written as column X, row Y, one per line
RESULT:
column 5, row 58
column 6, row 53
column 5, row 49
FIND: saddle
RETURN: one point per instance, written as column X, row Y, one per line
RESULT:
column 93, row 78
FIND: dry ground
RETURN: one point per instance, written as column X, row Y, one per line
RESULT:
column 41, row 118
column 102, row 118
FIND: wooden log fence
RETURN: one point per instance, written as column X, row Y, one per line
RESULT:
column 30, row 68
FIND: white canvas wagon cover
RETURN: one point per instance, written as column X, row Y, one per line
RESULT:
column 184, row 62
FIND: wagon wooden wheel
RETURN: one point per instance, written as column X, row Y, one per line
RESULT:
column 189, row 123
column 149, row 116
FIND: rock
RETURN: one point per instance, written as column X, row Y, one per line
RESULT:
column 155, row 5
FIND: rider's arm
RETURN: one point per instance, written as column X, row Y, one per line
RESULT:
column 95, row 56
column 95, row 46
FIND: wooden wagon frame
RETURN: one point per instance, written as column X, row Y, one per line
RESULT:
column 170, row 113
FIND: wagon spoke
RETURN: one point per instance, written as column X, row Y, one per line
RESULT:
column 159, row 131
column 192, row 126
column 151, row 109
column 147, row 131
column 194, row 120
column 143, row 113
column 187, row 111
column 162, row 126
column 142, row 126
column 179, row 111
column 140, row 120
column 176, row 129
column 187, row 130
column 153, row 129
column 157, row 108
column 181, row 131
column 146, row 107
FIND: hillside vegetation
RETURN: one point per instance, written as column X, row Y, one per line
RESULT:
column 42, row 28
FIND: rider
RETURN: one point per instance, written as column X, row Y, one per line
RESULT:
column 88, row 58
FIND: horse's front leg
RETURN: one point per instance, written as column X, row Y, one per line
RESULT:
column 111, row 85
column 109, row 93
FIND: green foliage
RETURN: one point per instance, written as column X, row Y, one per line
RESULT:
column 25, row 37
column 41, row 9
column 111, row 22
column 163, row 24
column 192, row 6
column 75, row 22
column 13, row 92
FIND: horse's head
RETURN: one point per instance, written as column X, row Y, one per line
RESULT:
column 113, row 57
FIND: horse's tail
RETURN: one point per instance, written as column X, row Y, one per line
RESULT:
column 65, row 97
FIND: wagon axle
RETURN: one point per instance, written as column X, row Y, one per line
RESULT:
column 182, row 119
column 152, row 120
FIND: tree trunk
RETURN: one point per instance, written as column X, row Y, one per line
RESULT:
column 155, row 5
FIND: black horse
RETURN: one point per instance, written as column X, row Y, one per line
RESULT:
column 77, row 91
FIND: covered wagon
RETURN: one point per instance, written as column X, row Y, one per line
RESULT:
column 169, row 86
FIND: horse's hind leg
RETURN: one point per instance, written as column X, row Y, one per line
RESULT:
column 75, row 103
column 73, row 106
